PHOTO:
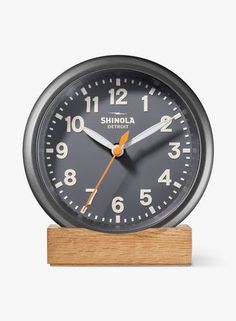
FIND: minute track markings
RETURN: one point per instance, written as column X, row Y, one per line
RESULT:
column 58, row 116
column 152, row 91
column 118, row 82
column 84, row 91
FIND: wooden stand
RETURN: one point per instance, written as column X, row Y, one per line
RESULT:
column 154, row 246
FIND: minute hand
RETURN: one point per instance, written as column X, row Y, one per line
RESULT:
column 147, row 132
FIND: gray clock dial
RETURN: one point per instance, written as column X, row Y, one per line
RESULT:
column 156, row 169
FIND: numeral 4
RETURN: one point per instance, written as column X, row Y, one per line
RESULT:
column 165, row 177
column 121, row 94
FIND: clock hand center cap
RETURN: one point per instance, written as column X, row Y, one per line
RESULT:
column 117, row 151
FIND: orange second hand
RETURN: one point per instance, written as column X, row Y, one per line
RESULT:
column 99, row 181
column 123, row 140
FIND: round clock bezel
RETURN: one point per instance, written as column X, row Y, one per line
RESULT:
column 107, row 63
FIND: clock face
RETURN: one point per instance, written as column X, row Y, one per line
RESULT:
column 117, row 149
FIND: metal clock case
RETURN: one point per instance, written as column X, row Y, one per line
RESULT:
column 118, row 144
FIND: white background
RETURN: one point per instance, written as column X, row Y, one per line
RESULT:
column 41, row 39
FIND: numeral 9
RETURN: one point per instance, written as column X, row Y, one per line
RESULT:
column 62, row 150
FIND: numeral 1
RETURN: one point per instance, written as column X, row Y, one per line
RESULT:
column 145, row 103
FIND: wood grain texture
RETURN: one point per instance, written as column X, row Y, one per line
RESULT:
column 153, row 246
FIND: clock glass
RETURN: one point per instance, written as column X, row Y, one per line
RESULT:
column 118, row 144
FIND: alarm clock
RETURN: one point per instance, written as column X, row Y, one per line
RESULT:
column 118, row 144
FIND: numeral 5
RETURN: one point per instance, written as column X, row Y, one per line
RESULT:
column 145, row 197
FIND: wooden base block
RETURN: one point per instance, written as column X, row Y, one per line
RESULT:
column 154, row 246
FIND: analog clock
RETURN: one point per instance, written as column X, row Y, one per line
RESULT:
column 118, row 144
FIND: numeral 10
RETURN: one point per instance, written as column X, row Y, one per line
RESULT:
column 75, row 124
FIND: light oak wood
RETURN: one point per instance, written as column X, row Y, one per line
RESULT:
column 153, row 246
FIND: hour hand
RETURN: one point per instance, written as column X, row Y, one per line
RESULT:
column 98, row 138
